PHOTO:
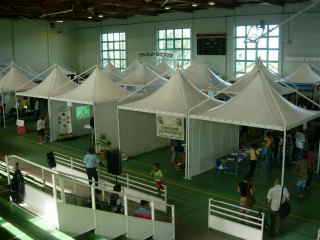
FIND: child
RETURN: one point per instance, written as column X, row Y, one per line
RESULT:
column 157, row 176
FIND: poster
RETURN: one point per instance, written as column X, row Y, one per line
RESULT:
column 170, row 127
column 64, row 123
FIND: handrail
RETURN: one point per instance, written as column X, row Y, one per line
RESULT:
column 241, row 215
column 129, row 181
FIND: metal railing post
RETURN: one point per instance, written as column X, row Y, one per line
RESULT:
column 6, row 158
column 93, row 202
column 173, row 221
column 125, row 200
column 153, row 219
column 43, row 177
column 127, row 178
column 61, row 183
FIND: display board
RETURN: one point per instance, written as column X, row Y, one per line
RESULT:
column 83, row 112
column 211, row 44
column 65, row 123
column 170, row 127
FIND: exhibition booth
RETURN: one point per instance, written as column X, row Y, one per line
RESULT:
column 91, row 108
column 153, row 121
column 258, row 104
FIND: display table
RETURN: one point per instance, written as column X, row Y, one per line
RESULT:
column 231, row 163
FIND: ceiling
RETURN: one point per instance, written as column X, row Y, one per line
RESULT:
column 95, row 10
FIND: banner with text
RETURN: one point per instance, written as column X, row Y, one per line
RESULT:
column 170, row 127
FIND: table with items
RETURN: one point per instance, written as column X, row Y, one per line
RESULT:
column 233, row 162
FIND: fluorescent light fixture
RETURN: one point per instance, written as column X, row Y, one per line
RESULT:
column 195, row 4
column 167, row 8
column 211, row 3
column 89, row 17
column 100, row 16
column 59, row 21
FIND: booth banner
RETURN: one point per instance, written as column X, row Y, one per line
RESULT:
column 170, row 127
column 64, row 123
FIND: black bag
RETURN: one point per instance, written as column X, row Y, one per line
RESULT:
column 285, row 207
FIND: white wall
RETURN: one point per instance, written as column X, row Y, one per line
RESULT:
column 299, row 38
column 35, row 44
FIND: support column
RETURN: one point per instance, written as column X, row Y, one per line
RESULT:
column 283, row 156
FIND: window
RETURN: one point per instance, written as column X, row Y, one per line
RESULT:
column 248, row 50
column 178, row 42
column 114, row 49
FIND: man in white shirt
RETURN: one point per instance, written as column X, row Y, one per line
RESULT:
column 275, row 201
column 300, row 144
column 41, row 126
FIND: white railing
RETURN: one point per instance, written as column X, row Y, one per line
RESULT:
column 318, row 237
column 235, row 220
column 56, row 182
column 128, row 181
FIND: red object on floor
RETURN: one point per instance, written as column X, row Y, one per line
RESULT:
column 21, row 130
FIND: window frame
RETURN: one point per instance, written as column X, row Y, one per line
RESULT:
column 182, row 60
column 119, row 62
column 256, row 49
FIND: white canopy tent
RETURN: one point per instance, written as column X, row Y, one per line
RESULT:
column 114, row 73
column 260, row 105
column 243, row 81
column 97, row 91
column 163, row 69
column 175, row 99
column 137, row 74
column 13, row 81
column 56, row 83
column 199, row 74
column 303, row 75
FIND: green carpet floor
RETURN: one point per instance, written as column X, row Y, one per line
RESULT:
column 189, row 196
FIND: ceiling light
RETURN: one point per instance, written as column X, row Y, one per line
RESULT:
column 195, row 5
column 211, row 3
column 59, row 21
column 167, row 8
column 100, row 16
column 90, row 17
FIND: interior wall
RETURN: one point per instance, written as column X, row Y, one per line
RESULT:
column 141, row 33
column 35, row 44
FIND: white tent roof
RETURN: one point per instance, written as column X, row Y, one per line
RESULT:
column 303, row 75
column 164, row 69
column 15, row 80
column 242, row 82
column 137, row 74
column 113, row 73
column 217, row 83
column 97, row 88
column 176, row 98
column 56, row 83
column 198, row 74
column 259, row 105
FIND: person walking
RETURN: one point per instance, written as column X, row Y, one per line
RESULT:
column 253, row 156
column 277, row 195
column 157, row 175
column 246, row 190
column 91, row 162
column 41, row 127
column 300, row 141
column 302, row 174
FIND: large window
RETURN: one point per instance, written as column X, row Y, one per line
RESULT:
column 248, row 50
column 114, row 49
column 178, row 42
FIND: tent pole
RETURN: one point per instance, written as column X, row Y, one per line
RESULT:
column 187, row 168
column 17, row 110
column 49, row 119
column 318, row 165
column 118, row 128
column 94, row 138
column 284, row 142
column 3, row 111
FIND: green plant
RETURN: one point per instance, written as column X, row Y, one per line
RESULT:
column 103, row 142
